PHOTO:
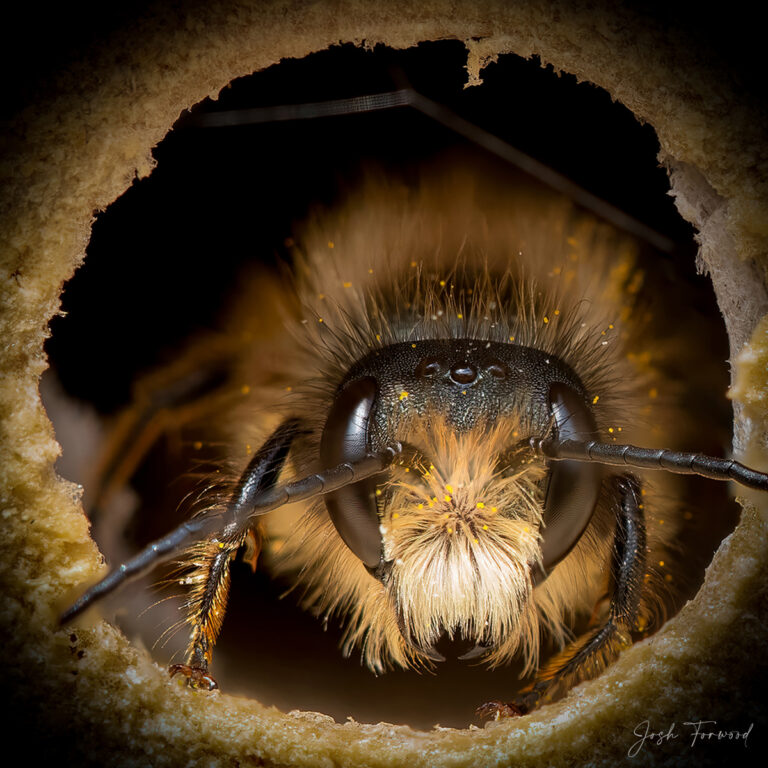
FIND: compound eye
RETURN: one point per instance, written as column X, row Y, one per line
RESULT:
column 574, row 486
column 429, row 367
column 352, row 509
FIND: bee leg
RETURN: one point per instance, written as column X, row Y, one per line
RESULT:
column 589, row 655
column 210, row 560
column 205, row 608
column 163, row 401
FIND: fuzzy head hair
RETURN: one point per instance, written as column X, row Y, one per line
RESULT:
column 446, row 261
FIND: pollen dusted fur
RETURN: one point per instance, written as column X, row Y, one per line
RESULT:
column 452, row 261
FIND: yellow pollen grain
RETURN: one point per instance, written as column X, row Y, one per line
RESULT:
column 407, row 469
column 248, row 449
column 319, row 319
column 450, row 530
column 413, row 346
column 526, row 529
column 476, row 541
column 485, row 527
column 661, row 563
column 493, row 509
column 403, row 395
column 511, row 338
column 395, row 516
column 653, row 392
column 442, row 283
column 557, row 312
column 330, row 243
column 370, row 271
column 419, row 506
column 446, row 515
column 610, row 326
column 378, row 337
column 221, row 545
column 449, row 488
column 610, row 429
column 413, row 264
column 480, row 505
column 446, row 498
column 347, row 285
column 463, row 391
column 245, row 389
column 289, row 389
column 642, row 506
column 618, row 429
column 546, row 319
column 595, row 399
column 378, row 491
column 460, row 316
column 197, row 445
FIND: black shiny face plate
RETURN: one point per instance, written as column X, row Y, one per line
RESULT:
column 469, row 381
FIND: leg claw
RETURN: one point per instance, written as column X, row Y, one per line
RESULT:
column 499, row 709
column 196, row 677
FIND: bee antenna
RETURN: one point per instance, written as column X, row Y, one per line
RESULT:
column 237, row 513
column 650, row 458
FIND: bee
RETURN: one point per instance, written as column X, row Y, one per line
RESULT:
column 445, row 391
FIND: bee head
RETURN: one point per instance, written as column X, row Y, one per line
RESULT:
column 464, row 526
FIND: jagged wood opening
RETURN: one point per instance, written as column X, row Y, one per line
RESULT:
column 102, row 129
column 218, row 204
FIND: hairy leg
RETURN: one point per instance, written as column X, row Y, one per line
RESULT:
column 210, row 560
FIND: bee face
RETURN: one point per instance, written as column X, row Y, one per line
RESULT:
column 455, row 535
column 459, row 532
